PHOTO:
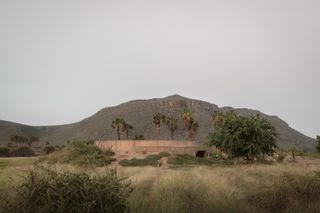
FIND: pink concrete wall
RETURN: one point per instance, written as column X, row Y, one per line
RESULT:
column 132, row 146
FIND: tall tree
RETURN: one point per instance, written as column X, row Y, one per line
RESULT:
column 158, row 118
column 192, row 129
column 248, row 137
column 190, row 124
column 117, row 124
column 126, row 128
column 172, row 124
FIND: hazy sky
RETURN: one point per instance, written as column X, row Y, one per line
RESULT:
column 63, row 60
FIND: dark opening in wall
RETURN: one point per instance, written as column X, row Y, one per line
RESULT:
column 200, row 154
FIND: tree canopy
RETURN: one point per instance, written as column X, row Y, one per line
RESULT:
column 318, row 143
column 249, row 137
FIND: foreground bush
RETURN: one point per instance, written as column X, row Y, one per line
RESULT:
column 150, row 160
column 290, row 193
column 82, row 154
column 48, row 191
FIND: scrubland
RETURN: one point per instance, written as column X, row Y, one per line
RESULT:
column 279, row 187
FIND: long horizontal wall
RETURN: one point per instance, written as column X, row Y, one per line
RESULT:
column 136, row 146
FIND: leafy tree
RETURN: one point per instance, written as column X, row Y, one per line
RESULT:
column 318, row 143
column 190, row 124
column 158, row 118
column 126, row 128
column 172, row 124
column 248, row 137
column 117, row 124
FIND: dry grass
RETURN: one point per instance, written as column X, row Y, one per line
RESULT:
column 209, row 189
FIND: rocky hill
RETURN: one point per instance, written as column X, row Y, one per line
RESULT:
column 139, row 113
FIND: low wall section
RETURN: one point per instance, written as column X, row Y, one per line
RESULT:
column 136, row 146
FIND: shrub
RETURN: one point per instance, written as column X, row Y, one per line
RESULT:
column 281, row 156
column 4, row 152
column 23, row 151
column 50, row 191
column 288, row 193
column 82, row 154
column 49, row 149
column 150, row 160
column 318, row 143
column 139, row 137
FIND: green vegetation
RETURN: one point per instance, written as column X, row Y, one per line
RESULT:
column 21, row 140
column 318, row 143
column 192, row 160
column 150, row 160
column 126, row 128
column 120, row 123
column 249, row 137
column 81, row 154
column 158, row 118
column 172, row 124
column 117, row 124
column 23, row 151
column 139, row 137
column 191, row 126
column 290, row 193
column 49, row 149
column 52, row 191
column 4, row 152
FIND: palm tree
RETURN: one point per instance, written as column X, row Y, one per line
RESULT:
column 126, row 128
column 172, row 124
column 117, row 124
column 186, row 116
column 190, row 125
column 192, row 129
column 158, row 118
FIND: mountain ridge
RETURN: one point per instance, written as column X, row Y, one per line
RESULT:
column 139, row 113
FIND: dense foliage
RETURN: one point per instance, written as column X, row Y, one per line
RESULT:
column 4, row 152
column 318, row 143
column 239, row 136
column 48, row 191
column 150, row 160
column 23, row 151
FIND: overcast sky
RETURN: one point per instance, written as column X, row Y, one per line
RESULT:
column 63, row 60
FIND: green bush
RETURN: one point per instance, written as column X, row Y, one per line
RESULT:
column 82, row 154
column 23, row 151
column 46, row 191
column 4, row 152
column 150, row 160
column 49, row 149
column 192, row 160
